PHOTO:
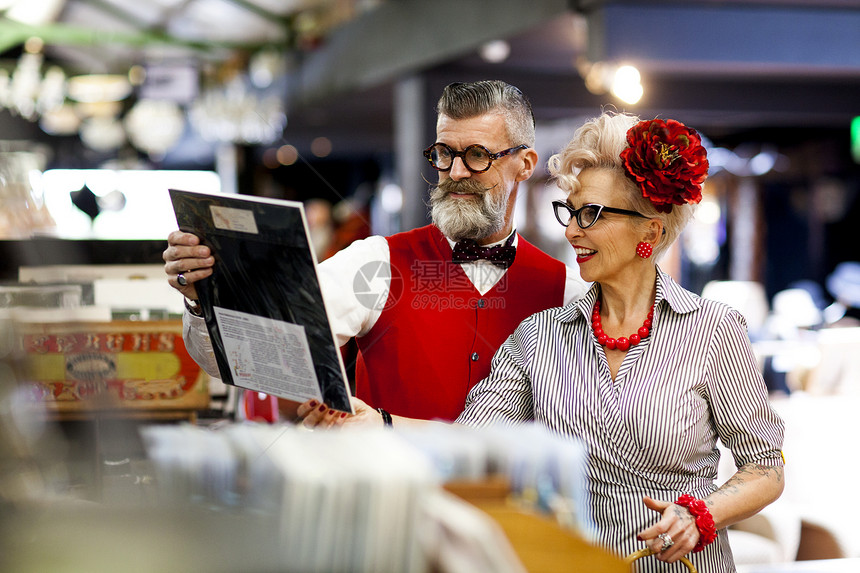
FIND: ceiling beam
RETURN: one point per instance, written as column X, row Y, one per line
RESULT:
column 115, row 12
column 13, row 34
column 404, row 36
column 285, row 21
column 726, row 38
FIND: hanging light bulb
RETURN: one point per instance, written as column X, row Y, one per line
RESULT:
column 52, row 93
column 154, row 126
column 102, row 133
column 626, row 84
column 623, row 82
column 25, row 92
column 236, row 112
column 61, row 121
column 24, row 86
column 92, row 88
column 496, row 51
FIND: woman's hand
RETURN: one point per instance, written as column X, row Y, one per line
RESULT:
column 317, row 415
column 677, row 523
column 185, row 256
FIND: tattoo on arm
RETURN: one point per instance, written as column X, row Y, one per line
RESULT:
column 748, row 471
column 762, row 470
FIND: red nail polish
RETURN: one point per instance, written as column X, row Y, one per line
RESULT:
column 313, row 404
column 343, row 414
column 639, row 537
column 331, row 412
column 322, row 408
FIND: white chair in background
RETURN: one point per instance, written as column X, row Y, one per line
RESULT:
column 747, row 297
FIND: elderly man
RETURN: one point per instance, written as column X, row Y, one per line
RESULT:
column 453, row 290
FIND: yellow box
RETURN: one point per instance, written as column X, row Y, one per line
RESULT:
column 119, row 365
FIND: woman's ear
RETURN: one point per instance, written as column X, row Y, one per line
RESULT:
column 656, row 232
column 530, row 159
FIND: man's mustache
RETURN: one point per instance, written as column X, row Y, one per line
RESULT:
column 463, row 187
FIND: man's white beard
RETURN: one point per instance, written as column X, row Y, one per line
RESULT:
column 467, row 218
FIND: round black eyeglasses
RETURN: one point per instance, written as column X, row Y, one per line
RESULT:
column 476, row 158
column 586, row 215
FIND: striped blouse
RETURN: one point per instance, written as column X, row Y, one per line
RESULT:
column 653, row 429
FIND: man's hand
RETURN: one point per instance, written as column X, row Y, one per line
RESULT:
column 185, row 256
column 317, row 415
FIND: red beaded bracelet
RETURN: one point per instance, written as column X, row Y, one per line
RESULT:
column 704, row 520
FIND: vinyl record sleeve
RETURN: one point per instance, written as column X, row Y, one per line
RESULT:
column 262, row 304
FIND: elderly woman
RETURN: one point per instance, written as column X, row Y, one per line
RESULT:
column 647, row 374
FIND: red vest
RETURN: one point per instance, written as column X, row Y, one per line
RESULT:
column 437, row 334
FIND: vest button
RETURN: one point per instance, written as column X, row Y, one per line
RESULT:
column 482, row 303
column 475, row 356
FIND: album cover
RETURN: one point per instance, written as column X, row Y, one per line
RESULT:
column 262, row 304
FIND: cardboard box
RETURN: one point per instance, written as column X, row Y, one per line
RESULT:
column 141, row 366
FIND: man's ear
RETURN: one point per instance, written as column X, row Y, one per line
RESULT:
column 529, row 163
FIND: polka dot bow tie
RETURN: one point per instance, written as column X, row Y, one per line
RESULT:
column 467, row 251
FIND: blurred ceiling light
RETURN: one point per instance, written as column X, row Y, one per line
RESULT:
column 718, row 158
column 391, row 198
column 33, row 12
column 25, row 92
column 34, row 45
column 321, row 146
column 744, row 160
column 596, row 75
column 264, row 66
column 287, row 155
column 99, row 87
column 626, row 84
column 154, row 126
column 763, row 162
column 20, row 91
column 61, row 121
column 623, row 82
column 708, row 211
column 98, row 109
column 496, row 51
column 102, row 133
column 270, row 158
column 137, row 75
column 701, row 238
column 236, row 113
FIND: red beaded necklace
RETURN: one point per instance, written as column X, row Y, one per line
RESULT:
column 622, row 343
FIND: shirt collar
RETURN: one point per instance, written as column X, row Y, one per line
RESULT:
column 679, row 299
column 497, row 243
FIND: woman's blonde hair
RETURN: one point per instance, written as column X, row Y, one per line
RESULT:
column 598, row 145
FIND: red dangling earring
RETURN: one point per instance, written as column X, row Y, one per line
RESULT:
column 644, row 249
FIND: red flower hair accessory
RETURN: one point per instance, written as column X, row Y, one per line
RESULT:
column 665, row 158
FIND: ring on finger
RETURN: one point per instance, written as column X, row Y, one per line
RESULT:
column 180, row 278
column 667, row 541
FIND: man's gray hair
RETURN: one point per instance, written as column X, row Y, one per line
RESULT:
column 468, row 100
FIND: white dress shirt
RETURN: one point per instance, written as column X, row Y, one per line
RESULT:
column 364, row 268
